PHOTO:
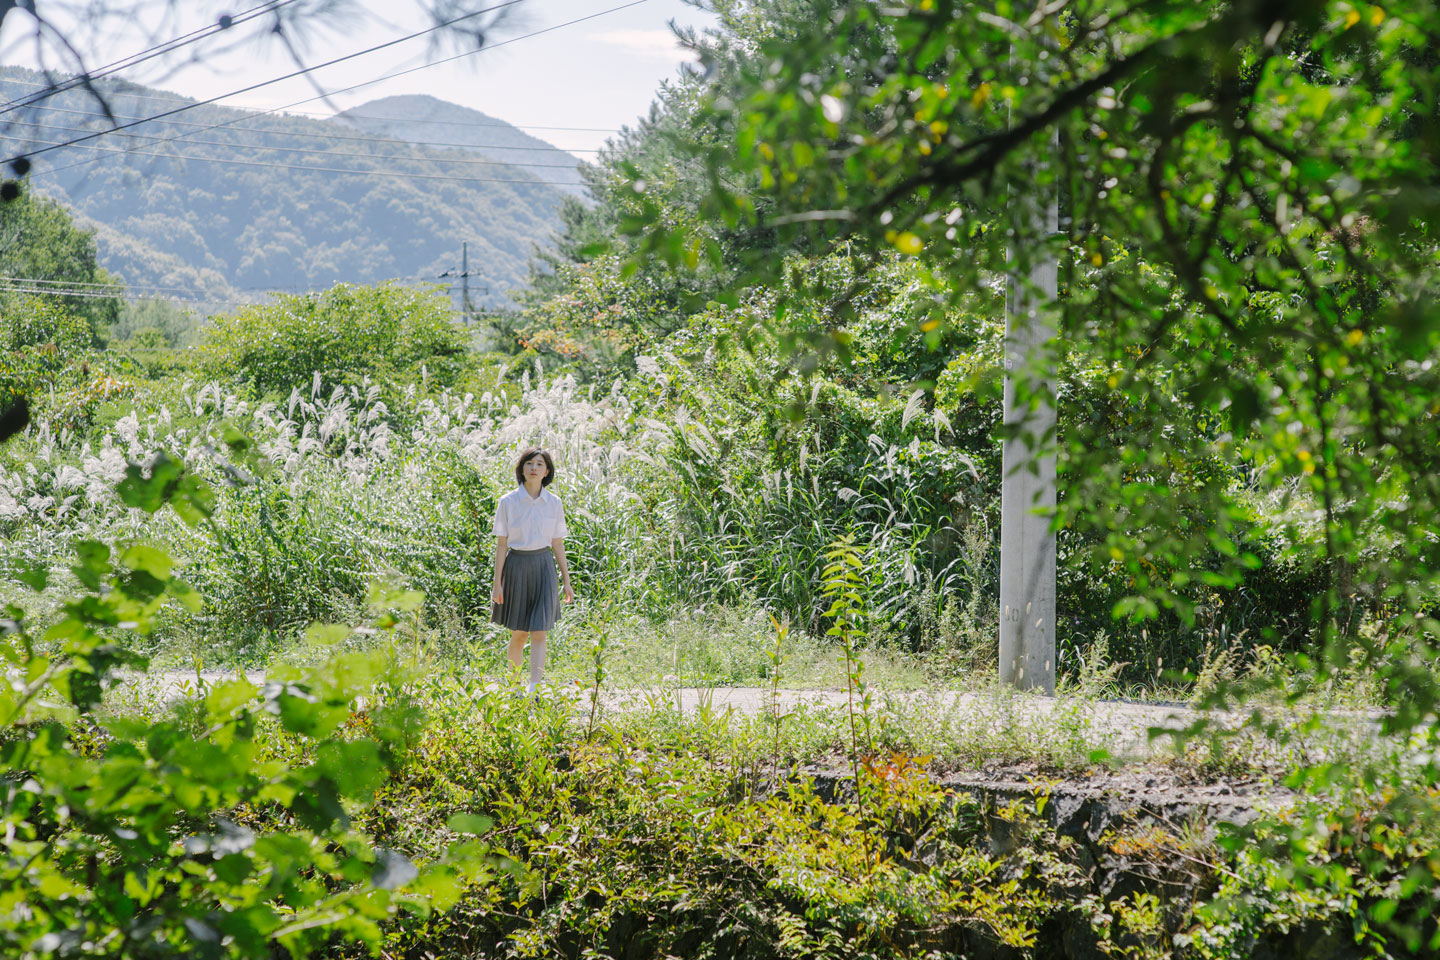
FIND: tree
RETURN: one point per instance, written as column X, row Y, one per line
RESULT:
column 41, row 246
column 1246, row 188
column 1247, row 256
column 347, row 334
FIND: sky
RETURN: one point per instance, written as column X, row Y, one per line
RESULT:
column 573, row 85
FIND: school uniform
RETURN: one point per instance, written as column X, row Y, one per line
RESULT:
column 529, row 581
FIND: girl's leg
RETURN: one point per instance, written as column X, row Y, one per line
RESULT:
column 537, row 657
column 517, row 646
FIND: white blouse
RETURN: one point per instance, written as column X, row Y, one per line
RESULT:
column 529, row 523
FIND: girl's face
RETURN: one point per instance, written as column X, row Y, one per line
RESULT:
column 535, row 468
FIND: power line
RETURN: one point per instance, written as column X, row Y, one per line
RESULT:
column 75, row 283
column 357, row 116
column 98, row 285
column 265, row 83
column 322, row 136
column 292, row 166
column 323, row 153
column 117, row 285
column 297, row 103
column 523, row 126
column 95, row 295
column 168, row 46
column 87, row 291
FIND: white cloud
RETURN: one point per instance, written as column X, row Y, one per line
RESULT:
column 652, row 44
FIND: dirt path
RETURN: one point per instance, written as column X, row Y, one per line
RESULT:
column 1122, row 727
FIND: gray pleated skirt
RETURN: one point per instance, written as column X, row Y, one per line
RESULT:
column 530, row 586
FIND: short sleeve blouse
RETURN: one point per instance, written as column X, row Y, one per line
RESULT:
column 529, row 523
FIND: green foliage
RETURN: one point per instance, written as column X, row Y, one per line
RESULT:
column 599, row 316
column 343, row 335
column 1360, row 870
column 34, row 323
column 47, row 357
column 845, row 589
column 1245, row 262
column 663, row 843
column 156, row 324
column 274, row 816
column 223, row 830
column 40, row 245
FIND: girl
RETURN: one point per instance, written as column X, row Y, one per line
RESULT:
column 529, row 543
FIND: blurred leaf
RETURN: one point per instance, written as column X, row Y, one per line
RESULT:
column 470, row 823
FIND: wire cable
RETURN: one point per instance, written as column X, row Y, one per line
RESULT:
column 356, row 86
column 357, row 116
column 95, row 295
column 297, row 166
column 306, row 134
column 265, row 83
column 323, row 153
column 88, row 290
column 118, row 285
column 159, row 49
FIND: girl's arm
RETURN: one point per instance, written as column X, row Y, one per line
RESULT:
column 557, row 546
column 502, row 547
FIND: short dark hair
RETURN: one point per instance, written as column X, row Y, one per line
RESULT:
column 530, row 454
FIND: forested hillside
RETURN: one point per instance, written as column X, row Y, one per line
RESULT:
column 228, row 204
column 432, row 121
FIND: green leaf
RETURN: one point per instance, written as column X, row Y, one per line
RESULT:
column 193, row 500
column 188, row 596
column 318, row 807
column 155, row 562
column 326, row 635
column 229, row 696
column 83, row 689
column 149, row 493
column 94, row 562
column 34, row 575
column 470, row 823
column 1245, row 406
column 1136, row 608
column 233, row 869
column 354, row 766
column 404, row 600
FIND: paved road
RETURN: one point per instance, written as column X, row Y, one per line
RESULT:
column 1122, row 727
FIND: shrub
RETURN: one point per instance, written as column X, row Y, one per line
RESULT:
column 33, row 323
column 47, row 357
column 140, row 320
column 344, row 334
column 224, row 829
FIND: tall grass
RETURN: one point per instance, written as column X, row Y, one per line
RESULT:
column 676, row 499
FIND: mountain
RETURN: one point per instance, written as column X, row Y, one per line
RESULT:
column 429, row 120
column 221, row 204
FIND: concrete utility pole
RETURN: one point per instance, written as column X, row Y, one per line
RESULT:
column 465, row 281
column 1027, row 547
